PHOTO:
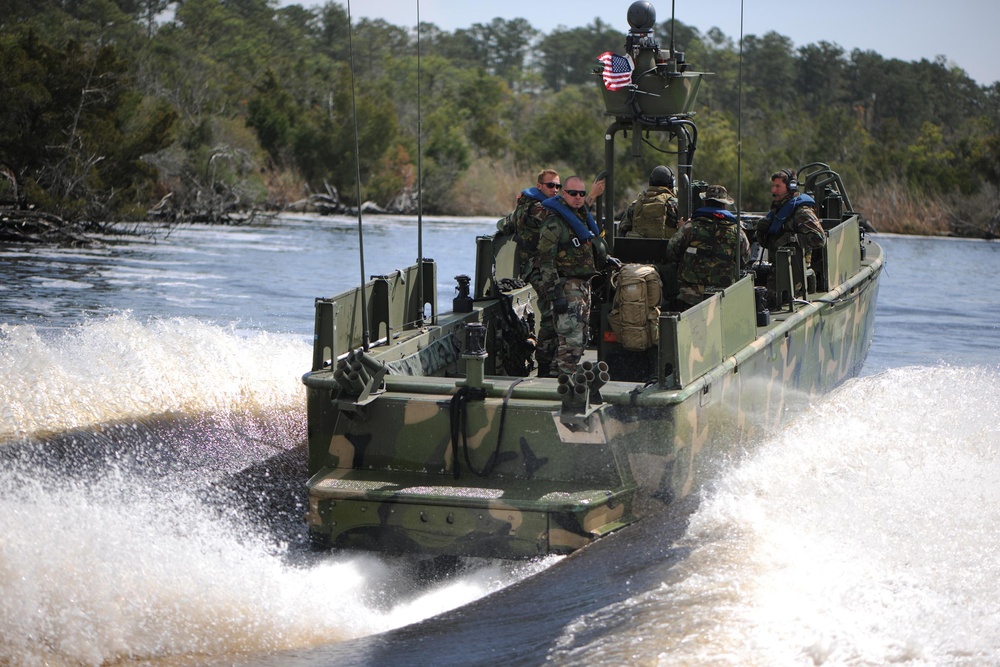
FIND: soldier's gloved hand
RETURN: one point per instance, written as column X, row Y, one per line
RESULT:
column 613, row 263
column 560, row 306
column 761, row 237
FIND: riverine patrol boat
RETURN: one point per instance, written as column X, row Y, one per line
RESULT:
column 430, row 433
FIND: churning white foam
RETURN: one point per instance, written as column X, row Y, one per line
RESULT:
column 119, row 369
column 864, row 533
column 99, row 572
column 111, row 567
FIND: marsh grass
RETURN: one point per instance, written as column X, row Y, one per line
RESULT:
column 490, row 187
column 283, row 188
column 893, row 208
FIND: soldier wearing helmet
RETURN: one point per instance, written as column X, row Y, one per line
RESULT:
column 653, row 214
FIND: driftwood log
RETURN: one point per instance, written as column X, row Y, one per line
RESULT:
column 19, row 226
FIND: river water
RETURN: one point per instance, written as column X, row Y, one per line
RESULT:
column 151, row 469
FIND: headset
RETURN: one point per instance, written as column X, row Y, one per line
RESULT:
column 662, row 175
column 790, row 179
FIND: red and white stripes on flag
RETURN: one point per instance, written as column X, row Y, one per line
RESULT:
column 617, row 70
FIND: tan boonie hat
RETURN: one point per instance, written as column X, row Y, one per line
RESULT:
column 716, row 193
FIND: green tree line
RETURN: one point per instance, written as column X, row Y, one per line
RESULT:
column 111, row 108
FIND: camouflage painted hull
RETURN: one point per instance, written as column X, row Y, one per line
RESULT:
column 435, row 454
column 432, row 442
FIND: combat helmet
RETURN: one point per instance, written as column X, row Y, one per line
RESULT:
column 662, row 175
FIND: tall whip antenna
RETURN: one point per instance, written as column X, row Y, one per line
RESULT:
column 739, row 126
column 739, row 151
column 420, row 187
column 365, row 340
column 673, row 24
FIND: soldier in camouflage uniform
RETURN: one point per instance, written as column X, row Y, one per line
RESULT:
column 705, row 249
column 654, row 213
column 792, row 218
column 570, row 252
column 523, row 224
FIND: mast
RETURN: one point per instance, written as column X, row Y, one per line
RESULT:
column 420, row 188
column 659, row 97
column 739, row 150
column 366, row 335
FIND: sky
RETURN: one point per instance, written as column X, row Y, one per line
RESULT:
column 966, row 32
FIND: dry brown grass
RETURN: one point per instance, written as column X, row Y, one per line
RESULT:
column 490, row 187
column 283, row 188
column 892, row 208
column 976, row 215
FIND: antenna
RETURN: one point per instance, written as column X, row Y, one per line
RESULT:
column 673, row 24
column 420, row 188
column 739, row 150
column 365, row 339
column 739, row 125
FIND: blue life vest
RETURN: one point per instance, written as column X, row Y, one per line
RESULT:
column 583, row 232
column 785, row 212
column 533, row 193
column 712, row 212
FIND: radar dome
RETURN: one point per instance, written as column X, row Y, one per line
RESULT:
column 641, row 16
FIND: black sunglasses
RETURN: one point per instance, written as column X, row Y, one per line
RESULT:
column 576, row 193
column 552, row 185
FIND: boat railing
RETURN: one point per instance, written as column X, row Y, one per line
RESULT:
column 693, row 342
column 842, row 254
column 393, row 306
column 827, row 188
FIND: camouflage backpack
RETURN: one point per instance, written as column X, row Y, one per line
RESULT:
column 635, row 313
column 710, row 258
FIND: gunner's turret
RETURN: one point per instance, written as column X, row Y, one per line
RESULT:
column 658, row 84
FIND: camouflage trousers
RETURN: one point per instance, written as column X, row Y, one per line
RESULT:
column 545, row 346
column 572, row 326
column 690, row 295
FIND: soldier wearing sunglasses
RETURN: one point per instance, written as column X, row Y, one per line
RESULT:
column 571, row 250
column 523, row 224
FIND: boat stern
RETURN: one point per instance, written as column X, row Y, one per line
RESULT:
column 408, row 514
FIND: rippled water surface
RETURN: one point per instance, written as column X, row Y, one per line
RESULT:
column 151, row 482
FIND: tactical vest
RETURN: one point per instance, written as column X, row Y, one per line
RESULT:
column 579, row 241
column 710, row 258
column 574, row 259
column 635, row 315
column 655, row 215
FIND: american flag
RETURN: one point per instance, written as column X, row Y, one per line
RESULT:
column 617, row 70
